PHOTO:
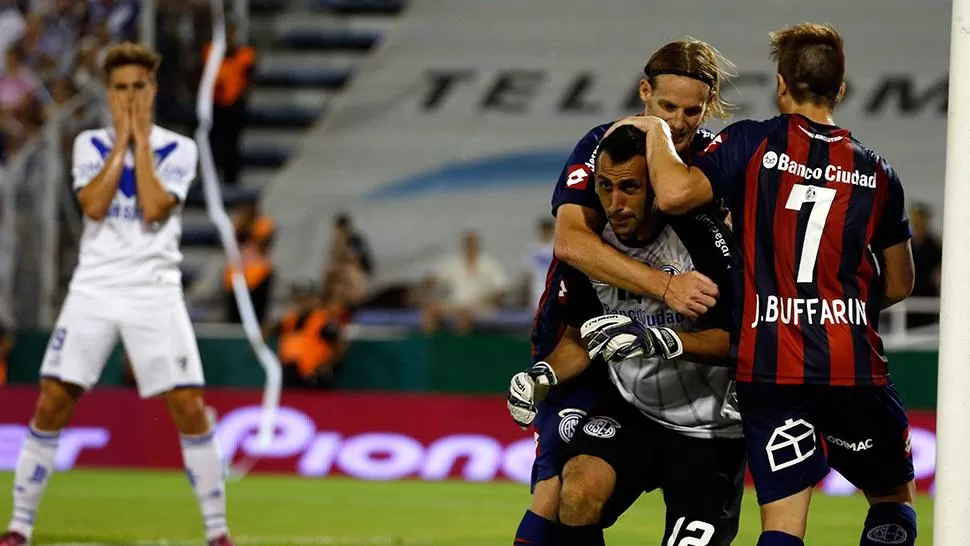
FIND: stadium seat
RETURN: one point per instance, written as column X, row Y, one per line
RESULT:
column 359, row 7
column 333, row 40
column 265, row 156
column 326, row 78
column 231, row 195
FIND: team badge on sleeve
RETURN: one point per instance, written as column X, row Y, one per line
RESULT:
column 578, row 177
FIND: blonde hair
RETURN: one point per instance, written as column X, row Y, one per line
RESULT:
column 128, row 53
column 698, row 60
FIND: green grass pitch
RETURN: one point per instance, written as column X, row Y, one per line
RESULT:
column 87, row 508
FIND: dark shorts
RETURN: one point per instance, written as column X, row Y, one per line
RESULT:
column 558, row 415
column 796, row 433
column 702, row 479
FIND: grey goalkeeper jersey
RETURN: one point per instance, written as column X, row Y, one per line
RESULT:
column 681, row 395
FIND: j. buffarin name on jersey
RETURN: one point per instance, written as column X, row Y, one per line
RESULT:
column 809, row 311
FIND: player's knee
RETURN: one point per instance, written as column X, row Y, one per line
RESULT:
column 587, row 484
column 55, row 404
column 545, row 499
column 902, row 494
column 188, row 411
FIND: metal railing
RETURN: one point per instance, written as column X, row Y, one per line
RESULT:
column 37, row 196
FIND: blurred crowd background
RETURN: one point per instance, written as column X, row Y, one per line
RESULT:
column 270, row 91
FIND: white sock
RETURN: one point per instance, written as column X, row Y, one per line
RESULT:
column 34, row 467
column 203, row 464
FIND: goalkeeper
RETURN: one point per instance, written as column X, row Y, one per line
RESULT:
column 668, row 424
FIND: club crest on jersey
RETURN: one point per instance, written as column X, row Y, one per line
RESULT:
column 567, row 426
column 672, row 269
column 601, row 427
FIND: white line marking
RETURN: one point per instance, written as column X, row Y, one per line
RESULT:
column 268, row 541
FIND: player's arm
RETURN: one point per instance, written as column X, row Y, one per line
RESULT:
column 579, row 245
column 679, row 188
column 900, row 273
column 96, row 179
column 891, row 241
column 153, row 199
column 159, row 191
column 714, row 173
column 567, row 359
column 707, row 346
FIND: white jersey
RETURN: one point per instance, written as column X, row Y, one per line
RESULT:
column 679, row 394
column 122, row 251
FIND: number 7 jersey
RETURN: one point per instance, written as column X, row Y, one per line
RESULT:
column 813, row 209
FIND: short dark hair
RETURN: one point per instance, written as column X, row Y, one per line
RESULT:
column 342, row 219
column 623, row 144
column 811, row 59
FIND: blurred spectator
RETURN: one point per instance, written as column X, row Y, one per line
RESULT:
column 312, row 338
column 20, row 91
column 465, row 287
column 348, row 278
column 119, row 18
column 928, row 258
column 346, row 236
column 231, row 96
column 537, row 259
column 53, row 33
column 12, row 28
column 254, row 233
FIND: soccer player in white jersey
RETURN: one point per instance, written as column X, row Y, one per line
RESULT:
column 130, row 180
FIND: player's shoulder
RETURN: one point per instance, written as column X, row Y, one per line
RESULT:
column 591, row 139
column 871, row 157
column 91, row 135
column 163, row 138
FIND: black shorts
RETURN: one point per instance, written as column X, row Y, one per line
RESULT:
column 864, row 429
column 702, row 479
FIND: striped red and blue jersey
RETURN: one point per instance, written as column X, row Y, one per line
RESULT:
column 813, row 209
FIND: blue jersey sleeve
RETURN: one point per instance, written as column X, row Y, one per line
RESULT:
column 725, row 159
column 893, row 227
column 575, row 185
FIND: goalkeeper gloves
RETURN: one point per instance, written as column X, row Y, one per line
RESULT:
column 527, row 389
column 617, row 338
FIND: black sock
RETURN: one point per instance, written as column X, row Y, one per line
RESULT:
column 535, row 530
column 587, row 535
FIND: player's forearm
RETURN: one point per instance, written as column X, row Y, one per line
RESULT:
column 570, row 357
column 706, row 344
column 678, row 187
column 153, row 199
column 584, row 250
column 95, row 198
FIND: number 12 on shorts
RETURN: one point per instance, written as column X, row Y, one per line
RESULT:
column 823, row 198
column 706, row 530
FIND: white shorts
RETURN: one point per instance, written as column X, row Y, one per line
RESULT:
column 155, row 331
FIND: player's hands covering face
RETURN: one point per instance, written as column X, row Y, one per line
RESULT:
column 121, row 116
column 141, row 114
